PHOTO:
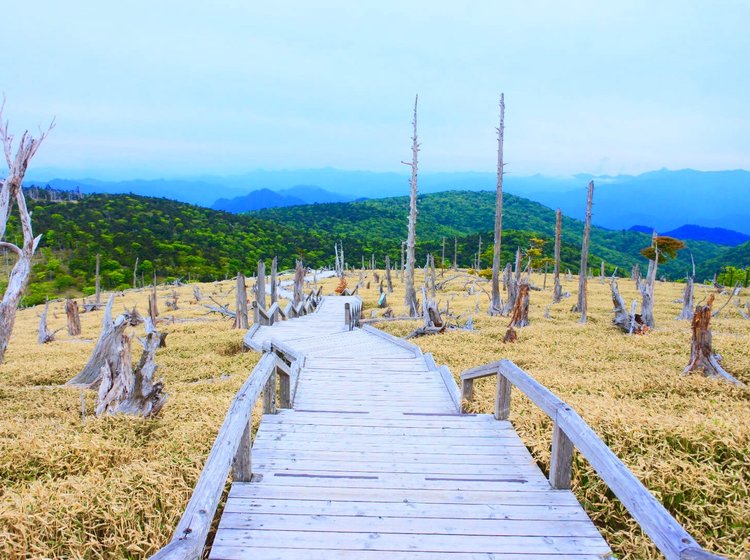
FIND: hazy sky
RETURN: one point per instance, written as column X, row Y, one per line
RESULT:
column 184, row 87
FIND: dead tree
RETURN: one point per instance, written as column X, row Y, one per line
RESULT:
column 74, row 321
column 388, row 279
column 479, row 254
column 172, row 301
column 97, row 281
column 687, row 297
column 433, row 278
column 455, row 253
column 442, row 260
column 582, row 305
column 135, row 274
column 520, row 316
column 513, row 282
column 260, row 285
column 299, row 283
column 153, row 307
column 240, row 303
column 410, row 299
column 123, row 390
column 107, row 349
column 647, row 288
column 11, row 190
column 197, row 294
column 557, row 291
column 702, row 357
column 627, row 322
column 601, row 272
column 432, row 321
column 274, row 280
column 45, row 335
column 496, row 305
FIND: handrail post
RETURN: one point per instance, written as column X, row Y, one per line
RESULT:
column 348, row 315
column 467, row 392
column 502, row 397
column 269, row 394
column 242, row 463
column 561, row 463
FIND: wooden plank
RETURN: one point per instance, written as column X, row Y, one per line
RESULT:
column 401, row 542
column 293, row 506
column 504, row 468
column 406, row 525
column 302, row 492
column 399, row 342
column 222, row 552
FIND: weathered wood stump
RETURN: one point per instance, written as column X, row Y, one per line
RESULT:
column 702, row 356
column 74, row 320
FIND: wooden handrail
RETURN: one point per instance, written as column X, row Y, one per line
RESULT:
column 230, row 450
column 571, row 431
column 352, row 313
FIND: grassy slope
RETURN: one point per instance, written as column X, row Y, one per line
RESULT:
column 115, row 487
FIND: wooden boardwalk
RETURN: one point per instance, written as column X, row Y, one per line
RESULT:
column 374, row 460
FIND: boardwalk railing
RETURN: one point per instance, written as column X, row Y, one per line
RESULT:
column 275, row 312
column 571, row 431
column 232, row 449
column 352, row 313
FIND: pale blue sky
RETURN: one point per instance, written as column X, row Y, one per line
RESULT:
column 183, row 87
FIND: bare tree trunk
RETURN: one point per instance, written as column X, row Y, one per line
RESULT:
column 10, row 190
column 442, row 260
column 455, row 253
column 601, row 272
column 513, row 284
column 126, row 391
column 520, row 315
column 107, row 350
column 388, row 274
column 260, row 285
column 496, row 305
column 647, row 288
column 45, row 335
column 557, row 292
column 687, row 296
column 135, row 274
column 299, row 283
column 197, row 294
column 240, row 317
column 582, row 306
column 401, row 267
column 97, row 281
column 702, row 357
column 153, row 307
column 479, row 254
column 433, row 279
column 74, row 321
column 274, row 280
column 410, row 299
column 687, row 301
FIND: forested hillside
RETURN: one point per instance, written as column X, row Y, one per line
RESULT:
column 469, row 214
column 174, row 239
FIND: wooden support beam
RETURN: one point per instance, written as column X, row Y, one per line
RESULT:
column 561, row 463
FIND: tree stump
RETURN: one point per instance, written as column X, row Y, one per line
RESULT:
column 74, row 320
column 45, row 335
column 108, row 348
column 520, row 315
column 702, row 357
column 126, row 391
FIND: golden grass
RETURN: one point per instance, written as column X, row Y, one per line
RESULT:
column 115, row 487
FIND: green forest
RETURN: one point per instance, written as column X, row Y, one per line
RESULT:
column 175, row 240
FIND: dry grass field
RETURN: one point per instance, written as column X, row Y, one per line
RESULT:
column 115, row 487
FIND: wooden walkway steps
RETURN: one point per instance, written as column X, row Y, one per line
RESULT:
column 376, row 461
column 373, row 459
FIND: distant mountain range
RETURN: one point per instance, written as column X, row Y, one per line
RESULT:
column 664, row 199
column 266, row 198
column 720, row 236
